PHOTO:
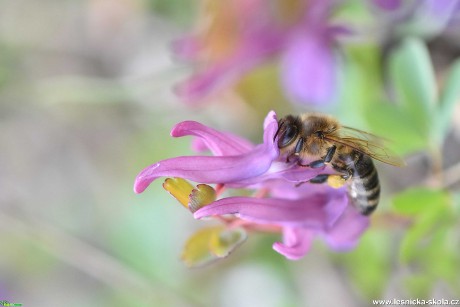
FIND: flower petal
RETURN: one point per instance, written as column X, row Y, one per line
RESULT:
column 222, row 169
column 432, row 16
column 442, row 10
column 292, row 191
column 280, row 173
column 298, row 173
column 218, row 75
column 199, row 145
column 296, row 242
column 337, row 209
column 346, row 231
column 207, row 169
column 219, row 143
column 309, row 69
column 303, row 212
column 314, row 212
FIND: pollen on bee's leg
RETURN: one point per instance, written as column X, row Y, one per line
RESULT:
column 336, row 181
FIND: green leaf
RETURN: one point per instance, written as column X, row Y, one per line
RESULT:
column 431, row 209
column 431, row 242
column 360, row 84
column 437, row 258
column 419, row 285
column 440, row 256
column 413, row 78
column 393, row 123
column 449, row 97
column 456, row 201
column 179, row 11
column 369, row 263
column 419, row 234
column 418, row 200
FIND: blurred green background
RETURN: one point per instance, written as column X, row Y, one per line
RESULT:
column 86, row 103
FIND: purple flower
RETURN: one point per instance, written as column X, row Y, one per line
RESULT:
column 301, row 212
column 303, row 38
column 437, row 13
column 425, row 17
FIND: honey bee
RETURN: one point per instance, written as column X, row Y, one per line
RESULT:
column 321, row 139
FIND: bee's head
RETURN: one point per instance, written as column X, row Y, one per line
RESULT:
column 304, row 134
column 289, row 129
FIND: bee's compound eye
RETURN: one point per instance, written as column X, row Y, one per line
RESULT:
column 288, row 136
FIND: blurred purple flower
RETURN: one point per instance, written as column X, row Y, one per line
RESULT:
column 304, row 41
column 438, row 12
column 428, row 17
column 301, row 212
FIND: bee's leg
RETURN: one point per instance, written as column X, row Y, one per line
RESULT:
column 321, row 178
column 298, row 149
column 334, row 180
column 326, row 160
column 330, row 154
column 348, row 174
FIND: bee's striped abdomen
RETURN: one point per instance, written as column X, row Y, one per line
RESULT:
column 365, row 187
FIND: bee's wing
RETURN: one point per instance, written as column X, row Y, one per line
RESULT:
column 360, row 134
column 368, row 144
